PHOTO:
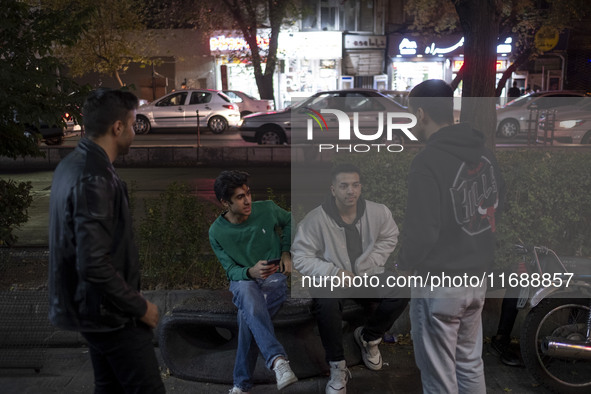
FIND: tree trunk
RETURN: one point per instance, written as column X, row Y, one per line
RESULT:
column 265, row 85
column 480, row 23
column 246, row 18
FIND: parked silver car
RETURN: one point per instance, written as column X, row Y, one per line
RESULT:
column 572, row 125
column 513, row 117
column 275, row 127
column 248, row 104
column 179, row 110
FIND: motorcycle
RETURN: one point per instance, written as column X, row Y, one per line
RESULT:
column 556, row 334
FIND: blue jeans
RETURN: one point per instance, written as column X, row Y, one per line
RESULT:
column 257, row 300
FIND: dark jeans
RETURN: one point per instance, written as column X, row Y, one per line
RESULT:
column 509, row 313
column 124, row 361
column 329, row 315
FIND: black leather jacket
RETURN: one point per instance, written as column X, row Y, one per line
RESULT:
column 94, row 277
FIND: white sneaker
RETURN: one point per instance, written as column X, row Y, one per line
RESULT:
column 237, row 390
column 369, row 351
column 339, row 376
column 284, row 374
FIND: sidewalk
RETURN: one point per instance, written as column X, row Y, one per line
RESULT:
column 69, row 370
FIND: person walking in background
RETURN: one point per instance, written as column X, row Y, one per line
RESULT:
column 514, row 91
column 94, row 277
column 245, row 241
column 455, row 194
column 348, row 236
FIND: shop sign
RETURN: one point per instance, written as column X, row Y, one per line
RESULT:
column 310, row 45
column 546, row 38
column 230, row 43
column 354, row 41
column 417, row 46
column 501, row 65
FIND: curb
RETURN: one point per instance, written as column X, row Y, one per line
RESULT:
column 165, row 156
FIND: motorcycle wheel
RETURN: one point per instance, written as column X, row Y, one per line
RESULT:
column 559, row 318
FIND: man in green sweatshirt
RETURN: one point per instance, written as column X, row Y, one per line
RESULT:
column 245, row 240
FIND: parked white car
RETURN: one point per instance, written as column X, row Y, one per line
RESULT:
column 248, row 104
column 179, row 110
column 572, row 125
column 513, row 117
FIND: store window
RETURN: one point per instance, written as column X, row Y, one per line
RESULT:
column 350, row 15
column 366, row 15
column 329, row 12
column 309, row 15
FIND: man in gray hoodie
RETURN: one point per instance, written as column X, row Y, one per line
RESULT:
column 348, row 237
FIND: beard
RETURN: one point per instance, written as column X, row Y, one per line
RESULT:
column 125, row 143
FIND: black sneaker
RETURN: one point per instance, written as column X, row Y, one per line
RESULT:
column 502, row 348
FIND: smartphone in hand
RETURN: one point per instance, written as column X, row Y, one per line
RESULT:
column 273, row 262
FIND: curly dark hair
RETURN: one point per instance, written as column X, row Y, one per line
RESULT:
column 227, row 182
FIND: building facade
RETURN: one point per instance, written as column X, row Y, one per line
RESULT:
column 336, row 44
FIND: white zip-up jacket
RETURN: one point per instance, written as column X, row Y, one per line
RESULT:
column 320, row 248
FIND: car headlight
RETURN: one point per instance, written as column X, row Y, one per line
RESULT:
column 569, row 124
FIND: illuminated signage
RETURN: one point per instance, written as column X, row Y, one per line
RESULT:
column 410, row 47
column 500, row 65
column 364, row 42
column 310, row 45
column 433, row 50
column 233, row 44
column 505, row 47
column 407, row 47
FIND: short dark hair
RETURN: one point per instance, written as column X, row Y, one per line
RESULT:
column 227, row 182
column 344, row 168
column 435, row 97
column 103, row 107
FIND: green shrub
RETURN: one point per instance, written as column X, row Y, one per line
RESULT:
column 15, row 199
column 174, row 243
column 548, row 201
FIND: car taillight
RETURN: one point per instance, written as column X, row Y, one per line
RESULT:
column 67, row 116
column 229, row 106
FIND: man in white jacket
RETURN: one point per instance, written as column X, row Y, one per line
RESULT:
column 348, row 237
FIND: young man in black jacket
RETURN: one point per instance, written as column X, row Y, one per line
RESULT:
column 455, row 192
column 94, row 278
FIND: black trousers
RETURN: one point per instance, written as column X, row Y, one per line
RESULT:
column 329, row 316
column 124, row 361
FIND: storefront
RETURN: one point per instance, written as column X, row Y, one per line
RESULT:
column 310, row 62
column 233, row 68
column 414, row 59
column 307, row 62
column 363, row 60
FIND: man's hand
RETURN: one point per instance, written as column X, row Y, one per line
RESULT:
column 285, row 266
column 152, row 316
column 343, row 273
column 261, row 270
